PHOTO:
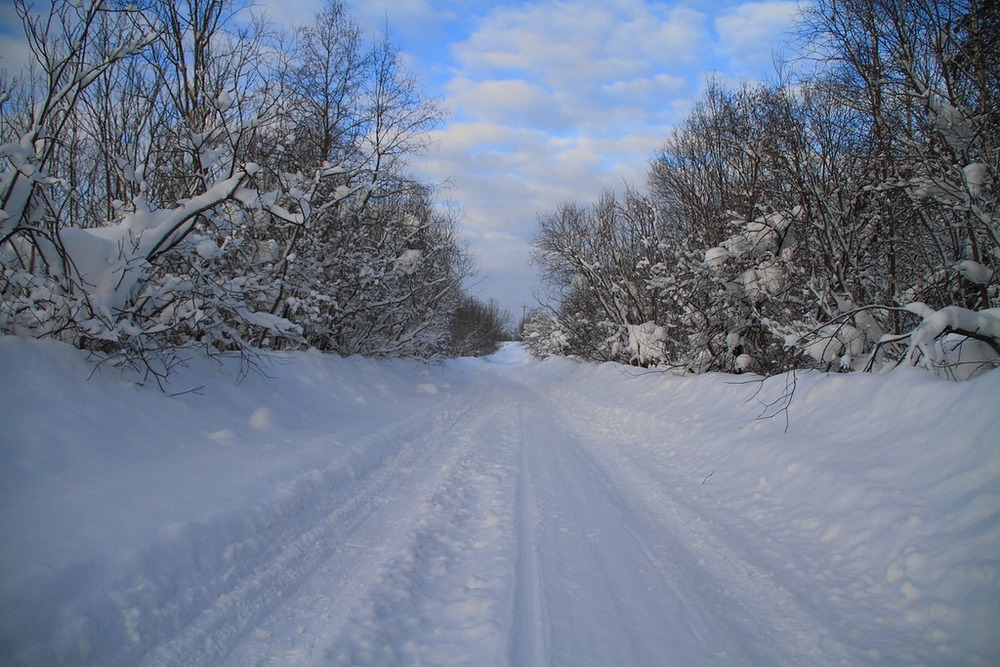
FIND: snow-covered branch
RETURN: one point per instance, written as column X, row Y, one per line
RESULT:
column 937, row 342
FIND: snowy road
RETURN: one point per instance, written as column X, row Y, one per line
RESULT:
column 500, row 538
column 499, row 513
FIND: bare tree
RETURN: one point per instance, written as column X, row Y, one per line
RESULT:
column 478, row 328
column 368, row 266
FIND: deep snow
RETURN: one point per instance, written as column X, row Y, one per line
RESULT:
column 497, row 511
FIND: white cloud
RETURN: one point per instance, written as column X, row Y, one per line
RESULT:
column 505, row 176
column 15, row 56
column 289, row 13
column 410, row 22
column 374, row 12
column 582, row 43
column 514, row 102
column 750, row 33
column 658, row 84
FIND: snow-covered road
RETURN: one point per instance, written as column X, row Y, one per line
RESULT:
column 499, row 537
column 498, row 512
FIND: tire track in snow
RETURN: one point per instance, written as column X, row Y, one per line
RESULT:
column 434, row 588
column 764, row 617
column 509, row 534
column 444, row 597
column 528, row 642
column 247, row 596
column 610, row 589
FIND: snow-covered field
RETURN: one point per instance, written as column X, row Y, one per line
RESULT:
column 494, row 512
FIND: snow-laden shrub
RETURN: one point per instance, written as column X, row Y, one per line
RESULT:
column 223, row 215
column 542, row 335
column 641, row 344
column 789, row 225
column 955, row 342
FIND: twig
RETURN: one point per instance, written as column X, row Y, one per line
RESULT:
column 192, row 390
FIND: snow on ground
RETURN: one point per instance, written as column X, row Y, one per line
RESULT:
column 494, row 512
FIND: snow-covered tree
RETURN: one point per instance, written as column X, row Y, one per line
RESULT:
column 367, row 265
column 543, row 335
column 920, row 78
column 173, row 177
column 797, row 223
column 601, row 258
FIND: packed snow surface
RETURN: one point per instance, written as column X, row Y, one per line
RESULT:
column 493, row 512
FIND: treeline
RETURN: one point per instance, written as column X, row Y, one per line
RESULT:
column 178, row 174
column 845, row 216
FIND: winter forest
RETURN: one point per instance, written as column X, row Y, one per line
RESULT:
column 182, row 175
column 176, row 178
column 842, row 217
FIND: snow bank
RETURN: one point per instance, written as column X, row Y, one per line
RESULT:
column 125, row 511
column 873, row 500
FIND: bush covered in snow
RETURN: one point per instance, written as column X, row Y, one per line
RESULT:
column 169, row 179
column 800, row 223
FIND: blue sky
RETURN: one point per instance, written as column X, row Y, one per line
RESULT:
column 557, row 100
column 551, row 100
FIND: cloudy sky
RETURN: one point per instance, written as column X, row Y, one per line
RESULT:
column 552, row 100
column 556, row 100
